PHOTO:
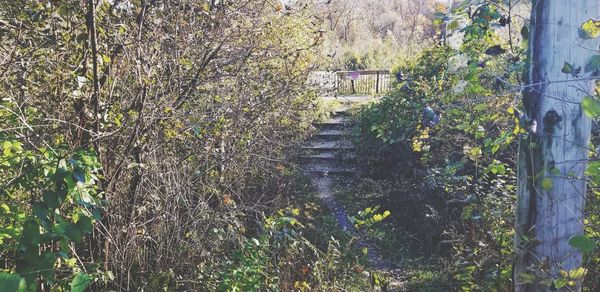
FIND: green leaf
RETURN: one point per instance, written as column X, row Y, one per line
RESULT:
column 594, row 64
column 467, row 212
column 480, row 107
column 73, row 233
column 495, row 50
column 591, row 107
column 590, row 29
column 527, row 278
column 560, row 283
column 80, row 282
column 577, row 273
column 6, row 147
column 453, row 25
column 547, row 183
column 31, row 232
column 23, row 286
column 567, row 68
column 9, row 282
column 85, row 224
column 582, row 243
column 525, row 32
column 499, row 169
column 51, row 199
column 4, row 209
column 105, row 59
column 593, row 171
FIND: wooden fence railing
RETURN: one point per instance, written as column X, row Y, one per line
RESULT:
column 363, row 82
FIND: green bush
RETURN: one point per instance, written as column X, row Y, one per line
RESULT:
column 282, row 258
column 456, row 177
column 430, row 281
column 50, row 202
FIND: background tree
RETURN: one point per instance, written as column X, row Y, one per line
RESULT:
column 375, row 34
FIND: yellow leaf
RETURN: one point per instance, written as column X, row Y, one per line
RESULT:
column 5, row 208
column 377, row 217
column 590, row 29
column 577, row 273
column 563, row 273
column 547, row 183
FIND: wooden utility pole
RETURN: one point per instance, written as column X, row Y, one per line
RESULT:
column 553, row 156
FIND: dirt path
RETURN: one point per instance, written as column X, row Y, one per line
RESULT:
column 324, row 188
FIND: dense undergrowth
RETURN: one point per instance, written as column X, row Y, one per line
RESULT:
column 144, row 145
column 451, row 187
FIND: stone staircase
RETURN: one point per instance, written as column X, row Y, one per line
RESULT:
column 330, row 151
column 329, row 158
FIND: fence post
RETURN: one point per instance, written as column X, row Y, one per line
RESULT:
column 335, row 83
column 377, row 84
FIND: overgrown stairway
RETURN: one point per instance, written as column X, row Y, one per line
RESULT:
column 329, row 158
column 330, row 151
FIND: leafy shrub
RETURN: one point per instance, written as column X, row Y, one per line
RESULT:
column 456, row 177
column 367, row 219
column 194, row 110
column 430, row 281
column 282, row 258
column 46, row 210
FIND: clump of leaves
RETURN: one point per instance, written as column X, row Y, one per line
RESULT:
column 45, row 214
column 367, row 219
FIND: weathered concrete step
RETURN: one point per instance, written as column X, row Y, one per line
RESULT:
column 330, row 135
column 336, row 123
column 331, row 132
column 327, row 165
column 328, row 145
column 330, row 156
column 331, row 171
column 337, row 120
column 341, row 112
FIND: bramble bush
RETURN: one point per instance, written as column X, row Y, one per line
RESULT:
column 177, row 119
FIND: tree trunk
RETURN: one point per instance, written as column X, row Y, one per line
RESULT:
column 553, row 157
